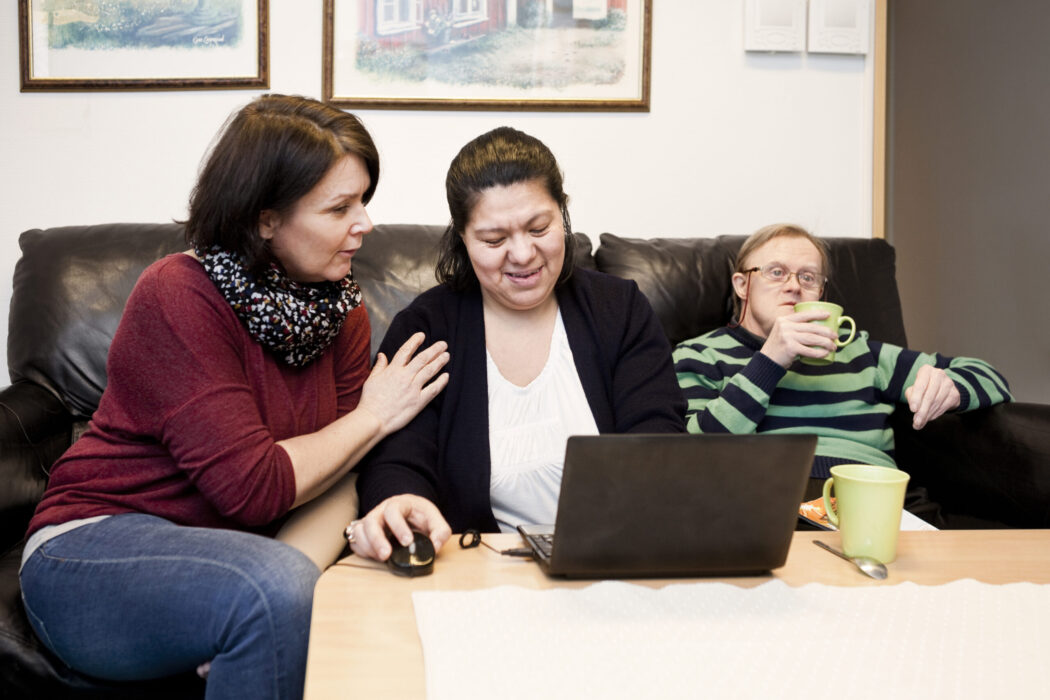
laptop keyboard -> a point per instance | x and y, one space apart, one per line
543 544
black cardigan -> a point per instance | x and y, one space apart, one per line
621 354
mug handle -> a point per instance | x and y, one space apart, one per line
852 331
833 517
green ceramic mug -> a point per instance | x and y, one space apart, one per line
834 321
868 505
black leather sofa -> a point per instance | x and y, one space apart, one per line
989 468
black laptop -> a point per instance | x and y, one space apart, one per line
674 505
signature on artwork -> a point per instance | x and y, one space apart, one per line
138 24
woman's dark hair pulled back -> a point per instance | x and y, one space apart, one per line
270 153
498 158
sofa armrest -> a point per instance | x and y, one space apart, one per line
992 464
35 429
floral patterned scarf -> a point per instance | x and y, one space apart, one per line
296 322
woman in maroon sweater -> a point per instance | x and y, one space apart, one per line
239 391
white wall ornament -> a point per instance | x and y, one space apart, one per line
839 26
775 25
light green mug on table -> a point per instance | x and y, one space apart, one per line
834 321
868 505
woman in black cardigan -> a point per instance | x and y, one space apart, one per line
540 350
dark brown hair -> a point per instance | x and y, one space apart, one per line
501 157
269 154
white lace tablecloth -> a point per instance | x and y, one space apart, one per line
620 640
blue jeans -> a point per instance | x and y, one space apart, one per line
134 596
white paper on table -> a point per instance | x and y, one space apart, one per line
621 640
910 521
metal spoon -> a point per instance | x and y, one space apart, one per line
871 567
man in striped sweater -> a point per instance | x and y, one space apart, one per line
746 377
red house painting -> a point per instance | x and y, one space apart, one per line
438 23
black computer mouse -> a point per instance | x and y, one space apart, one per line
417 559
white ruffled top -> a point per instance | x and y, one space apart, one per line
528 429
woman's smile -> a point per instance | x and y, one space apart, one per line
525 277
515 240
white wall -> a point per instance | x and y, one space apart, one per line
733 140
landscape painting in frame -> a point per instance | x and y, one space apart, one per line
487 54
143 44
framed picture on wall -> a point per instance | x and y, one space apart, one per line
566 55
68 45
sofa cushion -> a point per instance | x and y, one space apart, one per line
395 263
686 280
864 281
70 287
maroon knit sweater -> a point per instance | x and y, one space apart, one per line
187 426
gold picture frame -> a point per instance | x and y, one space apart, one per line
522 55
88 45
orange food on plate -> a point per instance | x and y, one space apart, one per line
814 510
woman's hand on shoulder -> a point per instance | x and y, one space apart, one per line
399 515
399 388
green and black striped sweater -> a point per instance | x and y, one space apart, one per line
733 388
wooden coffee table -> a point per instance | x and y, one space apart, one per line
363 639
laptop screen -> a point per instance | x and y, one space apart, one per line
678 504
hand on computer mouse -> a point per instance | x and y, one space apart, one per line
369 536
415 559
